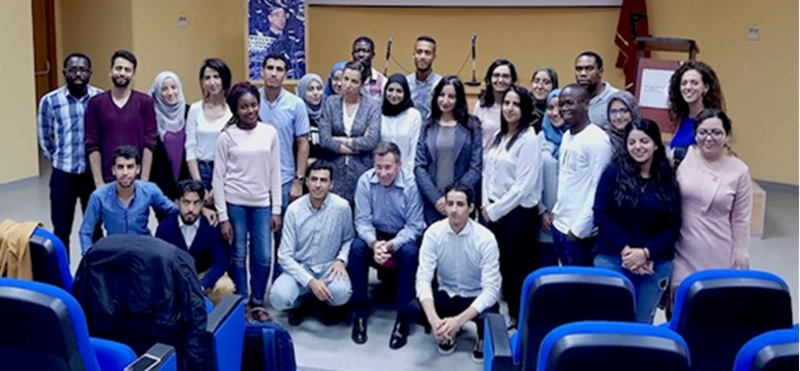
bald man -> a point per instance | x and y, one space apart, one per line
585 152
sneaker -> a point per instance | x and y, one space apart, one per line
477 352
447 347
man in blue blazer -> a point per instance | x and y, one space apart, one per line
188 231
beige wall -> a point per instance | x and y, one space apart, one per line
96 28
758 77
18 156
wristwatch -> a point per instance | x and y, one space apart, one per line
299 177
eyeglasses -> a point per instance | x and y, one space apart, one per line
78 69
618 111
501 76
715 134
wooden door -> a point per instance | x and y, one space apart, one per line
46 66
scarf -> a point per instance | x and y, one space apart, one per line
170 118
553 134
392 110
329 87
314 111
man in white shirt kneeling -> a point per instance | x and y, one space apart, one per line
465 257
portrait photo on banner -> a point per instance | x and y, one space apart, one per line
277 26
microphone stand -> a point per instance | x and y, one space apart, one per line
474 81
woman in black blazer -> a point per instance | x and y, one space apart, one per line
450 148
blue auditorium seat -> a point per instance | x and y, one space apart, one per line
772 351
552 297
718 311
613 346
49 260
44 328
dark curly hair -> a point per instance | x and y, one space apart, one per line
678 108
662 177
236 92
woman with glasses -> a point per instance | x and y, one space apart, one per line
716 201
622 110
500 76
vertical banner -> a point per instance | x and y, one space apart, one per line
277 26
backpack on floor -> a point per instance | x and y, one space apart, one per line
267 346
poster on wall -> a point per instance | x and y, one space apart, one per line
277 26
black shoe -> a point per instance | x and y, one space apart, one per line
447 347
399 336
477 352
296 316
359 335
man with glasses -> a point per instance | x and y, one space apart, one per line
61 132
585 152
589 74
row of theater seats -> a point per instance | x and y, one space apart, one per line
42 326
721 319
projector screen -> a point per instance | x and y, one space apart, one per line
471 3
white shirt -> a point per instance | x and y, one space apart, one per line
403 130
349 119
189 231
512 177
490 123
201 134
582 159
467 264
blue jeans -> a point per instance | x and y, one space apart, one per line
206 170
649 289
285 190
255 222
574 253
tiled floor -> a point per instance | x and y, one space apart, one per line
320 348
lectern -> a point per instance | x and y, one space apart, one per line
652 76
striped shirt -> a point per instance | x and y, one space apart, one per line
62 130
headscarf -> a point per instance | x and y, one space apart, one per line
169 118
540 106
392 110
553 134
329 87
314 111
616 135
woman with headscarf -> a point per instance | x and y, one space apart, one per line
553 130
400 122
622 110
169 164
543 81
334 85
309 89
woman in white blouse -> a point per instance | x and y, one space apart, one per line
512 189
206 119
400 122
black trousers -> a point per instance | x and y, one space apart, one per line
65 190
516 235
448 307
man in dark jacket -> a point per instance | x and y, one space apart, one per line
189 232
139 290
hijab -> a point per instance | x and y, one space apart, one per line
339 66
314 111
551 133
392 110
170 118
617 136
540 106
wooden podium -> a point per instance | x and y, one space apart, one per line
646 67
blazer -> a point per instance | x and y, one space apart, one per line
366 134
467 166
208 248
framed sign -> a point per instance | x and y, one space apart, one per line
276 26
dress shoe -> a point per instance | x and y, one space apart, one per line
399 336
359 335
296 316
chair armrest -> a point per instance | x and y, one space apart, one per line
159 357
497 354
225 334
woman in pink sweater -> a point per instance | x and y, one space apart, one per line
716 201
247 171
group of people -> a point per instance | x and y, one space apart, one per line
395 173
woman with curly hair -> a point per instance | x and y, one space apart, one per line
637 210
693 88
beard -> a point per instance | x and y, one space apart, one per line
121 82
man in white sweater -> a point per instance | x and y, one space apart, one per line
585 152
